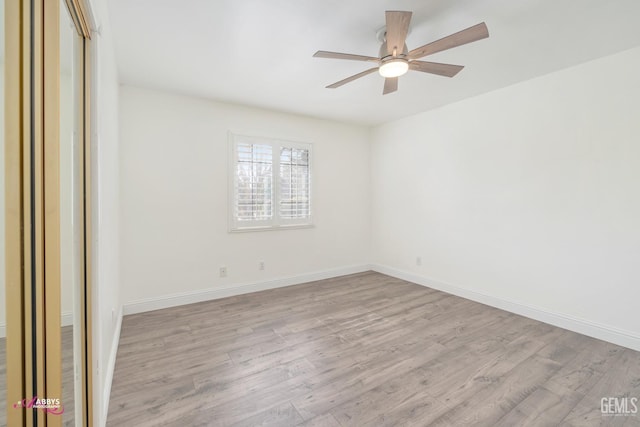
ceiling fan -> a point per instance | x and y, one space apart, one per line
395 59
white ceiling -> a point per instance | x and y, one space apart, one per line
259 53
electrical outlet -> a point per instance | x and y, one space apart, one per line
223 271
418 261
261 265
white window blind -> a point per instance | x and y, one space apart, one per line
254 182
270 183
294 183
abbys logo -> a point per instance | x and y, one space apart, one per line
619 406
50 406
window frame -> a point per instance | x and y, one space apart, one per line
276 222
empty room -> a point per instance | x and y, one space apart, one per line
320 213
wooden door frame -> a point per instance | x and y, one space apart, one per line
17 250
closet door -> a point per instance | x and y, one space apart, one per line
74 192
72 345
3 289
45 361
18 226
71 216
70 342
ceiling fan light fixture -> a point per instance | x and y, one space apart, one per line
394 67
392 61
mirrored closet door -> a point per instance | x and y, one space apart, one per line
45 322
74 200
3 317
71 215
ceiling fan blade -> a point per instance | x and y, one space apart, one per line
397 29
446 70
338 55
390 85
471 34
352 78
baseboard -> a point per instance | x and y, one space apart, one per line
581 326
110 366
173 300
65 320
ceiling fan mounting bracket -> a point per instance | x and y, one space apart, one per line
381 34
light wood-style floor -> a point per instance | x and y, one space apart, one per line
361 350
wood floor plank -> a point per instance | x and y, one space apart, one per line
489 403
324 396
388 395
420 410
145 406
588 416
324 420
586 369
540 408
282 415
360 350
471 377
620 379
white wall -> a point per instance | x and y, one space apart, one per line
173 183
529 194
105 216
3 322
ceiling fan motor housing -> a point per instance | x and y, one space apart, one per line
384 54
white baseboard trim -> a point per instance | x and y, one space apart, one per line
582 326
65 320
110 366
173 300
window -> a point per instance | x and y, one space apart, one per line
270 183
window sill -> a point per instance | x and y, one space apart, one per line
270 228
